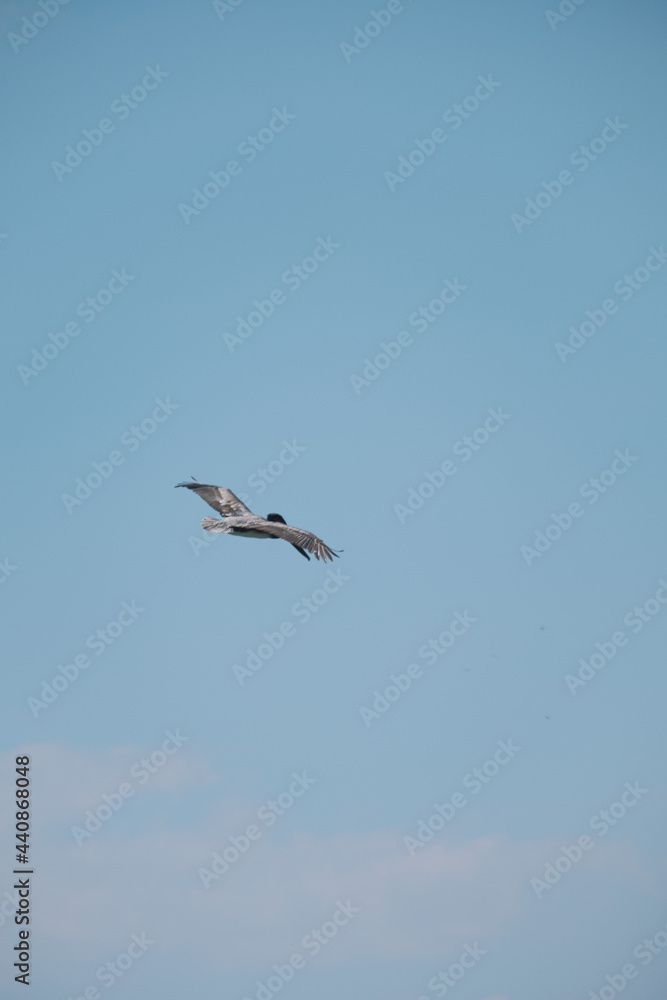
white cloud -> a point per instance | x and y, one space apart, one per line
279 890
65 782
145 879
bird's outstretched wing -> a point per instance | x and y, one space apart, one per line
299 538
219 498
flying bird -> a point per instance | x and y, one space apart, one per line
237 519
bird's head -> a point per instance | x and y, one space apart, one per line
276 517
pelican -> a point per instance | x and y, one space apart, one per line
237 519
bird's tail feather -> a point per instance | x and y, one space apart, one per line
213 524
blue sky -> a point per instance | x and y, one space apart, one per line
149 383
